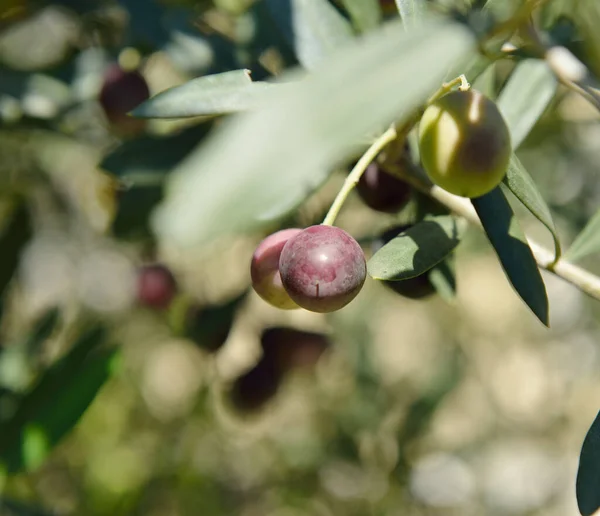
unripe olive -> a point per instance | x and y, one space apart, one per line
464 143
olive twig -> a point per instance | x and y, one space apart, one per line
358 170
570 272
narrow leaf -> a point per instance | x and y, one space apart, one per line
55 404
145 161
587 487
365 14
411 11
314 28
416 250
529 90
211 95
520 183
260 165
443 278
587 242
511 246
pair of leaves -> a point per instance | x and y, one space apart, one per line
416 250
522 101
56 403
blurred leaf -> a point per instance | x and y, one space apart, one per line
587 18
587 242
55 403
588 474
210 95
529 90
521 184
443 278
146 25
16 508
517 260
145 161
486 81
314 28
365 14
134 207
416 250
209 326
261 165
12 241
411 11
42 330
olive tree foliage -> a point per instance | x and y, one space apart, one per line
260 126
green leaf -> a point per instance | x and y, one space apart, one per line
587 242
210 95
587 487
411 11
134 209
56 403
365 14
511 246
416 250
443 278
261 165
529 90
520 183
145 161
314 28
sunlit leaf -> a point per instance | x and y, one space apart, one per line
411 11
526 95
588 475
522 186
587 242
210 95
314 28
518 262
260 165
416 250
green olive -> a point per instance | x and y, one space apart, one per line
464 143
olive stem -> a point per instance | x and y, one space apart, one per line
460 81
577 276
358 170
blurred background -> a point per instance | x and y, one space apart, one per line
139 380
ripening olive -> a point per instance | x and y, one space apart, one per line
464 143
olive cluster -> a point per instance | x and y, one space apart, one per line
465 148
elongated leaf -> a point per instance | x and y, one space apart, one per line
531 87
55 403
261 165
365 14
443 278
511 246
520 183
145 161
587 242
588 475
314 28
416 250
211 95
411 11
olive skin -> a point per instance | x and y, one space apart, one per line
322 268
464 143
264 269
